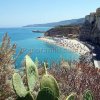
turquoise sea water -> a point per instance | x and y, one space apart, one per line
25 38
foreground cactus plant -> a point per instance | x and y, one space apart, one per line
87 95
31 72
27 97
20 89
48 81
31 75
72 96
19 86
36 62
49 89
46 94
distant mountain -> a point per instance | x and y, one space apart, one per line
65 22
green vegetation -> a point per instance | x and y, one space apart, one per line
72 96
88 95
66 31
46 94
37 82
19 85
31 72
48 83
7 66
49 89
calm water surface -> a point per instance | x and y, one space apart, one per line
25 38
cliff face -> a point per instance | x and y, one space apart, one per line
90 30
63 30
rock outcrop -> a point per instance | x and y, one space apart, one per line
63 31
90 30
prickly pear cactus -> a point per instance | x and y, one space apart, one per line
31 72
46 94
48 81
19 86
27 97
36 62
45 68
72 96
87 95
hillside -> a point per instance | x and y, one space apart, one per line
53 24
63 31
89 30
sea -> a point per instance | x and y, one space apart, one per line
24 38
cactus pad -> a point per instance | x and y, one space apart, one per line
72 96
31 71
18 85
36 62
50 82
87 95
27 97
46 94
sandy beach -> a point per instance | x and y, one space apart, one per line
71 44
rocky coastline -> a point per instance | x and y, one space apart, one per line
70 44
90 30
87 32
67 31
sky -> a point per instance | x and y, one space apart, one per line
16 13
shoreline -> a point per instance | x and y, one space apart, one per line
70 44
